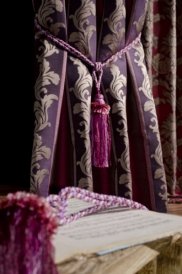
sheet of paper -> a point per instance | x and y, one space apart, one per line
110 231
75 205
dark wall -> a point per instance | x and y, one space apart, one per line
17 95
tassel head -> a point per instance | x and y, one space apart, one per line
100 132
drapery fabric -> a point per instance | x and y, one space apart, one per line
63 93
163 43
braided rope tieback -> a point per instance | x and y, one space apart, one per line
100 129
97 66
99 201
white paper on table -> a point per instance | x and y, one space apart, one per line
113 230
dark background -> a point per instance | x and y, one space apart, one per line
17 94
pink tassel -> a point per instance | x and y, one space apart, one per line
100 132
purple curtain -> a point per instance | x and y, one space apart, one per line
64 89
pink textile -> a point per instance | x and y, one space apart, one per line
26 227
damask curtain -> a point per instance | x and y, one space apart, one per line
163 42
64 89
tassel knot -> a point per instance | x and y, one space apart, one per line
99 105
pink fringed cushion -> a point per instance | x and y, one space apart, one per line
27 223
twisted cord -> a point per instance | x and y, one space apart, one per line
99 201
97 66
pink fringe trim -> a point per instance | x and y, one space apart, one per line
100 133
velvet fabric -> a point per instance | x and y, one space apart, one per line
63 93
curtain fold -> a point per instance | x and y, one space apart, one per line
163 48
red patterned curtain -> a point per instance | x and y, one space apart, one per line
163 41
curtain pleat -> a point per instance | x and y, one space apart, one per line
163 48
